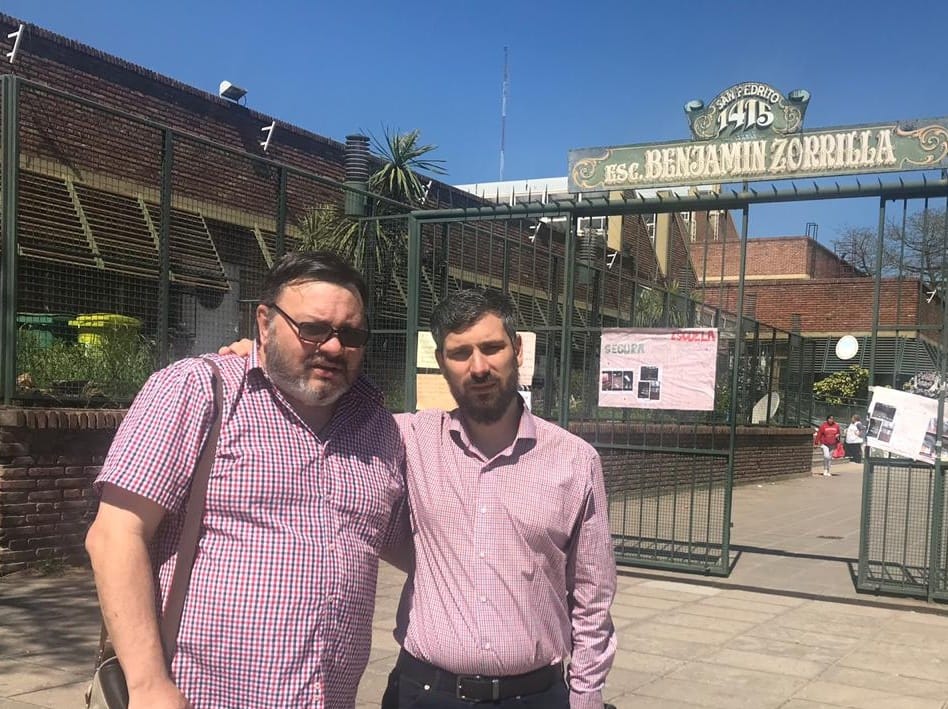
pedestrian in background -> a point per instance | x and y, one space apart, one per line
827 436
855 437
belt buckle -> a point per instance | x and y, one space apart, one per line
481 680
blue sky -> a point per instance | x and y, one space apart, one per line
581 73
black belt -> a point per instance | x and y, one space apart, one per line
478 688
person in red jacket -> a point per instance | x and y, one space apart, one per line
827 436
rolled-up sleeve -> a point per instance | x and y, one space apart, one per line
591 582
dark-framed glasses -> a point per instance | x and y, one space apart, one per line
319 333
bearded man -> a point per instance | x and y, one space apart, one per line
514 571
306 490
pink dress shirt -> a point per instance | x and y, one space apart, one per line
514 565
279 609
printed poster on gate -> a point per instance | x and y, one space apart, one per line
658 368
904 424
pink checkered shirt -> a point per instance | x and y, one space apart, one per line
514 563
279 609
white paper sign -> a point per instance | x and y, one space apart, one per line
658 368
904 424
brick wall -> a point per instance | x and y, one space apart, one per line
48 460
787 256
761 455
841 305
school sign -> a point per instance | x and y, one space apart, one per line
753 132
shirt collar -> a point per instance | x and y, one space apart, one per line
526 429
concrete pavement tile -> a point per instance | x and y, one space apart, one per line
749 681
622 681
930 619
804 636
786 650
78 660
862 698
15 704
644 662
371 688
935 644
726 612
775 599
763 662
807 704
851 609
645 590
686 619
620 610
729 600
897 659
66 695
819 622
647 602
18 677
681 587
707 695
384 640
627 701
658 629
671 648
888 682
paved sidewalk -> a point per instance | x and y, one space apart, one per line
787 629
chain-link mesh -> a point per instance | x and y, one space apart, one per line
87 251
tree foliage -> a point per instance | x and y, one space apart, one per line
917 251
849 386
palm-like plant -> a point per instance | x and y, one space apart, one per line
403 158
377 247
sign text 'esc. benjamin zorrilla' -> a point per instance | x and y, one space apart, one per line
753 132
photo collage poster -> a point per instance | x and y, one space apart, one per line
904 424
658 368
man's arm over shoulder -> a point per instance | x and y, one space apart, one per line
591 582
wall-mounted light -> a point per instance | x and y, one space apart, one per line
16 37
268 130
231 92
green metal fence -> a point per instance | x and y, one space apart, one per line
127 245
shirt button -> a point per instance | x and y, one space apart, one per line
487 646
484 510
483 599
482 555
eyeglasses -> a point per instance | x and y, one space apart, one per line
319 333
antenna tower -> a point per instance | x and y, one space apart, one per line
503 115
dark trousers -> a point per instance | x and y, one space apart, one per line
854 451
405 693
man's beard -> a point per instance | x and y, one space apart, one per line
486 408
299 385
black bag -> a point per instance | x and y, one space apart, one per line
108 689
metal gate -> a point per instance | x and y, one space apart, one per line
669 474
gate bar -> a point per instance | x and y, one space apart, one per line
604 206
9 181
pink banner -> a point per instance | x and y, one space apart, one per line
658 368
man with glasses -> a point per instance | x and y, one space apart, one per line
306 490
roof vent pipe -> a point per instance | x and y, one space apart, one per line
357 173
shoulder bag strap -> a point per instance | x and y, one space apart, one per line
191 533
